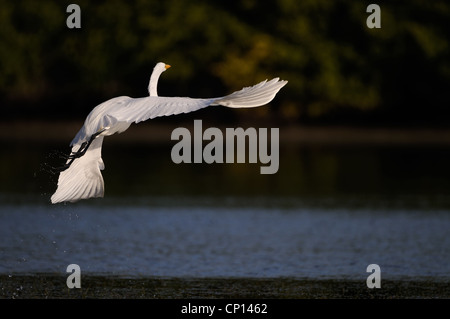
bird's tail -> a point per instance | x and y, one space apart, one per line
83 178
252 96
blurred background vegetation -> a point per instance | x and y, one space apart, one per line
339 70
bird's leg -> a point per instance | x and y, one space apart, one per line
85 145
81 151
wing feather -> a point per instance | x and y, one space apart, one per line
252 96
83 178
141 109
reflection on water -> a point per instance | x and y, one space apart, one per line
326 213
305 173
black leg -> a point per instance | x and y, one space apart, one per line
81 151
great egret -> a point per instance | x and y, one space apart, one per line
80 177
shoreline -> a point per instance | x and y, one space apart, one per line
63 132
53 286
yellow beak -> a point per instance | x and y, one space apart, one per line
167 66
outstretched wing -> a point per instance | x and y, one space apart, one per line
145 108
83 178
141 109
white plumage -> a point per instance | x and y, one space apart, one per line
82 179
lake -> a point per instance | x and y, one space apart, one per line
329 212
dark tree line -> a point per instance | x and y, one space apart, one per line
338 69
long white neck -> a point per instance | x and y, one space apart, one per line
152 85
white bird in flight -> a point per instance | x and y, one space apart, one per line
80 177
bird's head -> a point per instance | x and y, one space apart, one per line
161 67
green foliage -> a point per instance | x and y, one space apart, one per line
331 59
